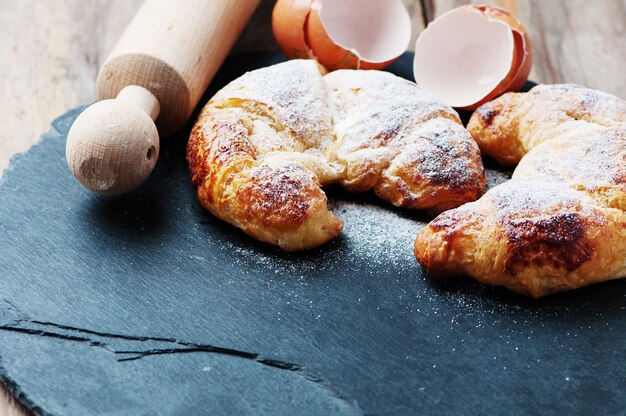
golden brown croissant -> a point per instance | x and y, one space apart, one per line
560 222
508 127
266 144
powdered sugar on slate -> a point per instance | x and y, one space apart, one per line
373 235
376 234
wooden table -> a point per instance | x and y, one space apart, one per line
51 51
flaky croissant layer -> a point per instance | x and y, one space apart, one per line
560 222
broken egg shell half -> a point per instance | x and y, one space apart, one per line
344 34
288 21
472 54
523 59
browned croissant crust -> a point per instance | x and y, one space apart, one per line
266 144
560 222
508 127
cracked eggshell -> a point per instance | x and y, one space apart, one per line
523 59
472 54
344 34
288 21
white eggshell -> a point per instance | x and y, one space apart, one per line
462 56
374 30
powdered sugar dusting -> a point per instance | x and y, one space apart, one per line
595 159
583 103
294 91
377 234
373 235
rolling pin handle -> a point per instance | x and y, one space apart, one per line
174 47
113 145
142 98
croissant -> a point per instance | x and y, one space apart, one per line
560 222
266 144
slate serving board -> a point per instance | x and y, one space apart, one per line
146 304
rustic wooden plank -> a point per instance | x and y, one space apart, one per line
574 40
417 20
48 61
9 406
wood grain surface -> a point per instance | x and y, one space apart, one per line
51 52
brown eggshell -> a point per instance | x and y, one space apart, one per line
523 59
362 34
288 24
327 53
524 49
514 61
331 55
343 34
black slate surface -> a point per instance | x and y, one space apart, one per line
145 304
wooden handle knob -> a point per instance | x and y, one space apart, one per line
160 67
113 145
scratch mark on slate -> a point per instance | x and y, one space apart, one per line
73 334
104 334
136 355
51 335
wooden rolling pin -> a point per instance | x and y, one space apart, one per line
157 72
